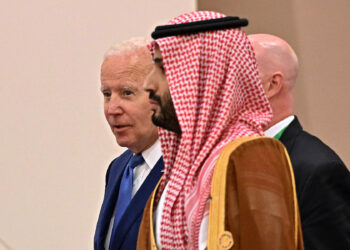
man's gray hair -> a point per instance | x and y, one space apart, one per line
127 46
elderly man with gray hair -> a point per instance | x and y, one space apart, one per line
132 176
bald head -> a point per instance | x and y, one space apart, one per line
278 69
274 54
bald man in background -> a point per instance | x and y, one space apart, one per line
322 179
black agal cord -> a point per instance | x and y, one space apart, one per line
198 26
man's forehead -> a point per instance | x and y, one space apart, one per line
124 69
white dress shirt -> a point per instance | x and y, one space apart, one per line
151 157
275 129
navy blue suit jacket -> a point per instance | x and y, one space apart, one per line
129 224
323 190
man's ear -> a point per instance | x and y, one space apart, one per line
274 86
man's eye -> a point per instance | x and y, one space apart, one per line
127 92
106 94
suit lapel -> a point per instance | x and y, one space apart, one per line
137 204
113 182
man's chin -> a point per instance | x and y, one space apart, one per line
122 142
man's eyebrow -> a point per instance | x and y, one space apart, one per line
158 60
126 87
123 87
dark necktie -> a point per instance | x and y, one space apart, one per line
125 190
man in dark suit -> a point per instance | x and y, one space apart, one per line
132 176
322 179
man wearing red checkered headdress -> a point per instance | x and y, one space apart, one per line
223 183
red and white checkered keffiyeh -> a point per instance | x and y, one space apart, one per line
217 94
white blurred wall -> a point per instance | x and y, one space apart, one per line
55 145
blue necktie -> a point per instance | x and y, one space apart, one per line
125 190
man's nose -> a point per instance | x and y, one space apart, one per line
148 84
114 106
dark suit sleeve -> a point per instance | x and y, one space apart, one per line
325 207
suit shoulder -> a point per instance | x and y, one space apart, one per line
309 148
116 161
317 167
311 158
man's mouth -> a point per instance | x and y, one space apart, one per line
119 128
153 102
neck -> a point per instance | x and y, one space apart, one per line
282 107
277 118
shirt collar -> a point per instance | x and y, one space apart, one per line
271 132
152 154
